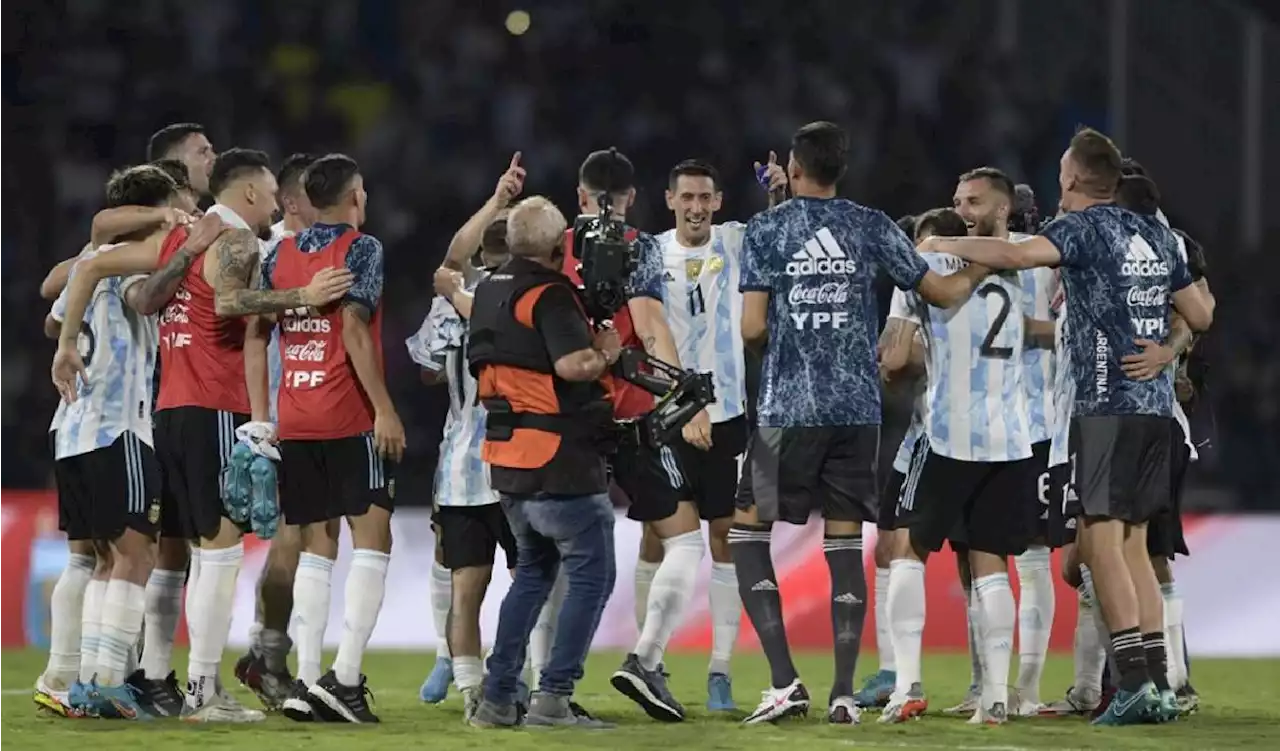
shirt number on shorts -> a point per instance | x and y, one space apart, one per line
988 349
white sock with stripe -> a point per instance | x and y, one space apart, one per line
66 622
312 591
366 585
123 606
91 628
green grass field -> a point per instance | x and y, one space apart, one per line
1241 709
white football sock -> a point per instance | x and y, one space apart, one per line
95 594
441 602
884 635
645 571
996 616
211 623
468 672
366 585
311 592
906 609
66 619
975 641
164 606
255 631
1035 619
726 614
189 599
543 636
1173 606
123 607
670 592
1091 642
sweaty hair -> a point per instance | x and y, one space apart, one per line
822 150
1024 215
607 171
144 185
908 225
176 170
535 228
694 168
1098 161
233 164
944 222
1139 194
998 179
290 175
328 178
168 138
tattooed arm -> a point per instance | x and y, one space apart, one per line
236 280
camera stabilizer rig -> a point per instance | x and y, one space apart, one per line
606 261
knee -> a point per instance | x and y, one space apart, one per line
173 554
884 548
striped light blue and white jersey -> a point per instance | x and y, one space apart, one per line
119 347
704 311
1179 414
1064 396
1038 288
462 477
977 405
275 368
900 307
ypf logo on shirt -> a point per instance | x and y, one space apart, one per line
821 254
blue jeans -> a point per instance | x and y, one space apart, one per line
576 533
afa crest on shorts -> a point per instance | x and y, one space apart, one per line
153 511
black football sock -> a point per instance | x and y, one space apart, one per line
1157 659
848 606
758 587
1131 658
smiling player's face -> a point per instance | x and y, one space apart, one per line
694 199
982 207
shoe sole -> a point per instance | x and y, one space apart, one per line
636 690
795 711
914 709
335 705
50 704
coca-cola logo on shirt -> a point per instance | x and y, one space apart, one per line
827 293
1151 296
310 351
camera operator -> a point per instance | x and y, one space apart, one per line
540 372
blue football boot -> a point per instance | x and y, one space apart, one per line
237 484
876 690
120 702
436 687
720 693
264 509
1131 707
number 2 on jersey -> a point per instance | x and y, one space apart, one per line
697 305
987 349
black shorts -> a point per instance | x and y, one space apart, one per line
1063 498
711 476
983 506
323 480
792 472
892 496
1056 528
651 477
470 535
194 445
1164 531
1123 466
106 491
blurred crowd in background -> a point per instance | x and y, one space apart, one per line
432 97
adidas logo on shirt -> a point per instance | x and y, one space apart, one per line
820 255
1141 260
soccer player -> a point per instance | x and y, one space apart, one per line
109 485
263 669
702 264
972 478
649 475
808 275
469 519
1165 539
187 143
988 201
1120 270
340 437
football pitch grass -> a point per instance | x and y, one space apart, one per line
1240 709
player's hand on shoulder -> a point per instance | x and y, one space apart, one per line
204 231
327 285
771 175
511 184
447 282
176 217
388 435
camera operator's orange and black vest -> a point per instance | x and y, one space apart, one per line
543 433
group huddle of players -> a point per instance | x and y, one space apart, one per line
1046 417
